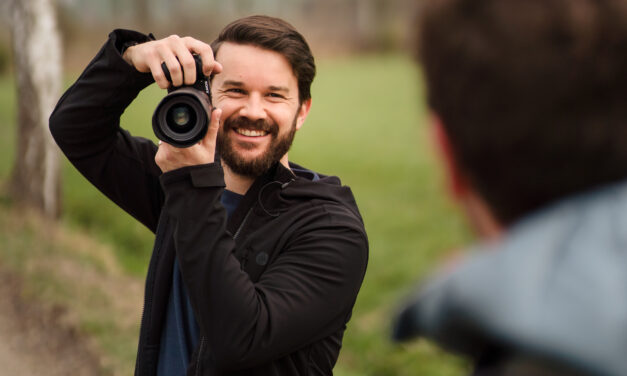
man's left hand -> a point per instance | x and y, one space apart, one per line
170 158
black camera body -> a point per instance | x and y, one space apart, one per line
181 119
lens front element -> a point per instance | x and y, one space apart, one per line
181 119
180 115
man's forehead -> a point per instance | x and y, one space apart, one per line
248 54
243 63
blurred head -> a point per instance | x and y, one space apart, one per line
530 95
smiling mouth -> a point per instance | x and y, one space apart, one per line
250 132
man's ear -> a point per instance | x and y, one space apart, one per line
457 183
303 111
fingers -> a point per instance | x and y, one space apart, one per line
187 62
154 66
176 57
147 57
176 53
209 65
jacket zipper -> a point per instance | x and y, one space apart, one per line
239 229
202 338
202 345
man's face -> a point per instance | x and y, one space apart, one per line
258 94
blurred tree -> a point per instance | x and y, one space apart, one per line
37 58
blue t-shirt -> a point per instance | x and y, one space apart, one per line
180 331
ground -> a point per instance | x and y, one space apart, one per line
34 340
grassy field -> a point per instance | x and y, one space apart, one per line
367 125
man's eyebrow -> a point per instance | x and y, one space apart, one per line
233 83
279 88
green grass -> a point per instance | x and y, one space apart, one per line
368 126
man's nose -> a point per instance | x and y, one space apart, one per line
253 109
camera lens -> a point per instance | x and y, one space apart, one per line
181 118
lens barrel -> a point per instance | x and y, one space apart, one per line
182 117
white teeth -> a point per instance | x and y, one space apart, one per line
250 132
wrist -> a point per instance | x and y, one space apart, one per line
125 51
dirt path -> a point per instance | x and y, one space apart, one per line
34 341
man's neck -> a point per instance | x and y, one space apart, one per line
235 182
480 216
240 183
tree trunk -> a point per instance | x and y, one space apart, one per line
37 55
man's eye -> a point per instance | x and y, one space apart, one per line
276 95
235 91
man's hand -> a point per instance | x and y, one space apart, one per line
170 158
147 57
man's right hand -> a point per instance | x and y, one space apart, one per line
176 52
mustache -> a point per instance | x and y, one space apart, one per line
245 123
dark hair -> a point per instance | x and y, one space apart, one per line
276 35
532 94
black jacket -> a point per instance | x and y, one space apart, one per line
272 288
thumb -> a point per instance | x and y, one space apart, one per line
214 126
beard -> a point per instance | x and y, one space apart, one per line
255 167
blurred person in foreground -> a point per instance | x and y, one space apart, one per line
257 261
529 102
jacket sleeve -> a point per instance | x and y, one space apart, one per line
86 126
306 294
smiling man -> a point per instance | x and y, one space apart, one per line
257 261
256 85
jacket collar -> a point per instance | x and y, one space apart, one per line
278 174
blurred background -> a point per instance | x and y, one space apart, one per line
84 263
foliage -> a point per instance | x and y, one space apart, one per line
367 125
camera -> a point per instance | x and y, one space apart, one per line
181 119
